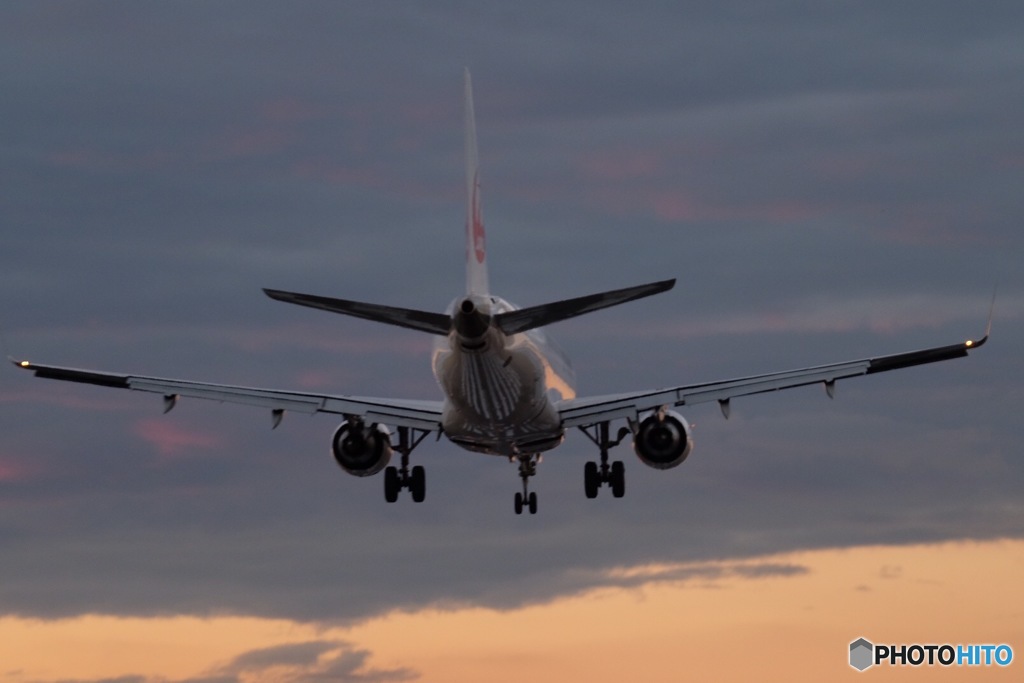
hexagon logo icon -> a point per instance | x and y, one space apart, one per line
861 654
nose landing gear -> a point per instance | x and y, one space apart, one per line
527 468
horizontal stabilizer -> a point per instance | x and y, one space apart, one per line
424 321
525 319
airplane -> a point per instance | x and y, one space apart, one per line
508 389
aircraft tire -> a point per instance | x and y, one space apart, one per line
418 484
618 479
391 484
591 481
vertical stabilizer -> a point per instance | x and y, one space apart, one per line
476 242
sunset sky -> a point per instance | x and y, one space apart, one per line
827 181
785 616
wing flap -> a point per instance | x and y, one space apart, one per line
260 398
587 411
424 415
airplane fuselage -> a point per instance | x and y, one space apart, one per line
500 390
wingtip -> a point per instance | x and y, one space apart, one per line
991 311
662 286
975 343
273 293
972 344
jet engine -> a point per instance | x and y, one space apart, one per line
663 439
362 450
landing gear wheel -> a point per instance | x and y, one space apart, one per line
527 468
597 475
591 479
618 479
418 484
392 484
398 478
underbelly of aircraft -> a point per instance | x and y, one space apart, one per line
505 439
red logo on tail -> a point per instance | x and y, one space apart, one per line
479 247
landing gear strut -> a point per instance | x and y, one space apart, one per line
527 468
405 477
614 474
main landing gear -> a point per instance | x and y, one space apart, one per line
404 477
527 468
595 475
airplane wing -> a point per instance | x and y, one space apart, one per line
425 415
582 412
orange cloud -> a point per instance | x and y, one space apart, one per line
785 617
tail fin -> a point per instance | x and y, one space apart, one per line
476 242
511 322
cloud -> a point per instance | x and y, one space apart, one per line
307 662
294 654
827 183
814 596
889 571
708 572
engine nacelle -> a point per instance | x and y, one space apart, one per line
663 440
362 450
